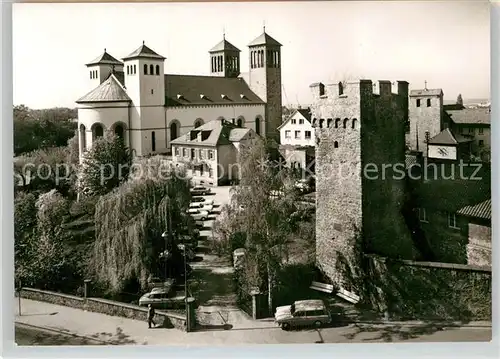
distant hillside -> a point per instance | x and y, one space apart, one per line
471 101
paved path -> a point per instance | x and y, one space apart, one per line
117 330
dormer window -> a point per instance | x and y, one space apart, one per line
224 97
203 97
180 97
242 96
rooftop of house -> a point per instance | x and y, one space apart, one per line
305 113
426 92
446 137
213 133
481 210
110 90
470 116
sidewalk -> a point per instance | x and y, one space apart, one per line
118 330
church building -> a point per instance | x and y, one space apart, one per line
137 100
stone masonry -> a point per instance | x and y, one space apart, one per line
360 149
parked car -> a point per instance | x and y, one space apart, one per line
202 199
200 215
303 313
200 191
162 298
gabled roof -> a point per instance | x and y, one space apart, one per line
143 52
264 39
216 132
306 113
481 210
109 91
105 59
186 90
477 116
224 45
426 92
446 137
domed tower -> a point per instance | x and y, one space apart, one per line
265 80
225 59
145 83
101 67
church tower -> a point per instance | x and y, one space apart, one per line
145 84
101 67
265 80
225 59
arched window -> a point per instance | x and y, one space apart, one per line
158 70
135 69
240 122
428 102
98 131
198 123
337 122
336 144
354 123
119 131
83 139
145 69
151 69
341 88
321 122
329 122
153 141
91 75
314 123
345 122
257 125
173 131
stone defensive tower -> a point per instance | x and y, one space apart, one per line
360 170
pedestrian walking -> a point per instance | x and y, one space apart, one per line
151 315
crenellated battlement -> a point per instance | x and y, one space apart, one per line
344 89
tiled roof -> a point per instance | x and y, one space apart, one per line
237 134
478 116
216 132
143 52
264 39
306 113
426 92
445 137
185 90
104 59
109 91
481 210
224 45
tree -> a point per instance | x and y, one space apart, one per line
129 224
460 101
105 165
265 201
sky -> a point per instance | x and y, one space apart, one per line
445 43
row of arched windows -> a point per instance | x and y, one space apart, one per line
334 123
272 59
230 63
97 131
93 74
131 69
153 70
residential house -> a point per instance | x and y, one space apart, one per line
210 153
297 139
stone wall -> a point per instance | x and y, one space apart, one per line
479 245
428 290
424 119
105 306
359 146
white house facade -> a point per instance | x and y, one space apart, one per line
297 130
148 108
